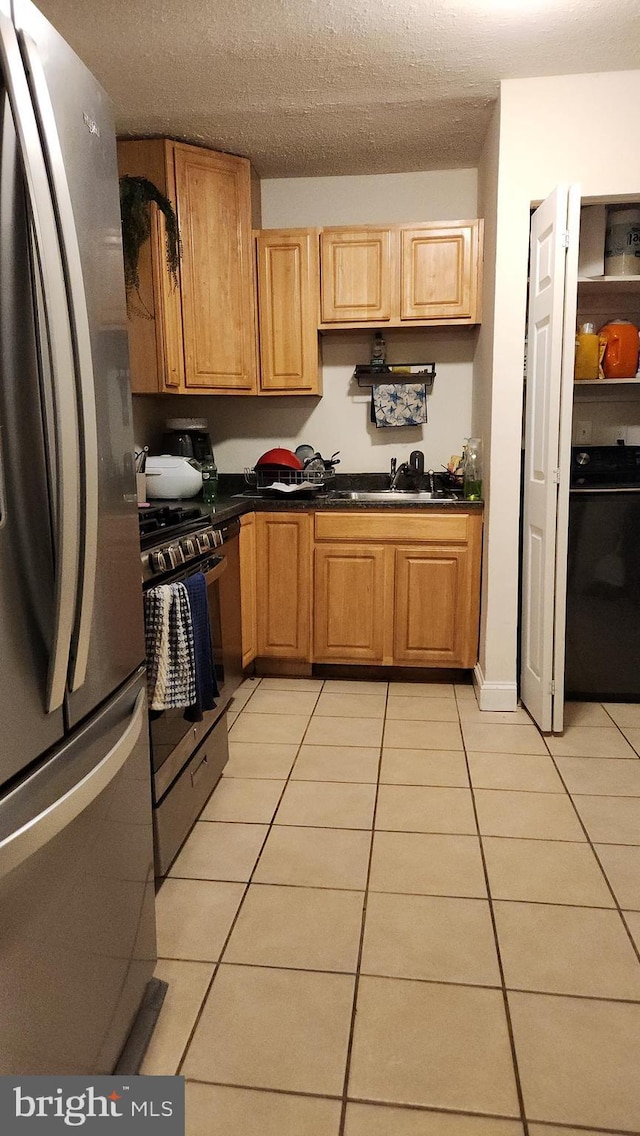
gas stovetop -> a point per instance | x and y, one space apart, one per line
163 521
605 467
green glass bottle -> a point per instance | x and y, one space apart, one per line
472 470
209 480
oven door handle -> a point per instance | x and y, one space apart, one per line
215 573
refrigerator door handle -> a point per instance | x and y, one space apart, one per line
38 831
60 347
79 314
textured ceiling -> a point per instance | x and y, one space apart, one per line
335 86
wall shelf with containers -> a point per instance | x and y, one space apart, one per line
608 288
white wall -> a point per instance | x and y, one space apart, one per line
243 428
576 128
428 196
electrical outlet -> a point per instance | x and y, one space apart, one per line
583 433
620 434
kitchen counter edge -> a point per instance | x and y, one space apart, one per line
228 507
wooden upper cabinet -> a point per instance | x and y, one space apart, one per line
200 336
425 274
358 268
213 193
288 275
439 272
156 349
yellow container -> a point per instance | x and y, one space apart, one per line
587 352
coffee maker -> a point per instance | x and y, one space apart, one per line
188 438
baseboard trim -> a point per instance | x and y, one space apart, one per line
494 695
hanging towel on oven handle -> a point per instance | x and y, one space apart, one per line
206 685
171 673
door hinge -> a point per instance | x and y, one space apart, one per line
564 238
555 476
552 687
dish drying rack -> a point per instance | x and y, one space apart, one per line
264 478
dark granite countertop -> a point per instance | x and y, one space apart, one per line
232 501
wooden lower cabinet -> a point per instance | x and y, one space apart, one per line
349 604
248 581
283 554
435 620
379 598
377 588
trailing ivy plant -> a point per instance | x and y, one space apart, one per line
137 194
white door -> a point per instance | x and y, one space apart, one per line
550 356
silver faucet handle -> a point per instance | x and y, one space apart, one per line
394 462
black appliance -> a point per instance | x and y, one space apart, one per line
603 579
188 438
187 758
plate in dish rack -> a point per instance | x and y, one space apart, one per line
300 487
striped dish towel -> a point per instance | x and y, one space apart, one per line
171 672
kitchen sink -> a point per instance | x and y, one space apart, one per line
391 495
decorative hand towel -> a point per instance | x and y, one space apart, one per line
399 404
171 673
206 685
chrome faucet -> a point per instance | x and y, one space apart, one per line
396 471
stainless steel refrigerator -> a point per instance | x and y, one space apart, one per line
77 930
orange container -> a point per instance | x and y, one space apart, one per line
621 353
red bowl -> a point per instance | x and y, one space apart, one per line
280 458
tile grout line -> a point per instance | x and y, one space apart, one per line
356 986
436 895
410 978
505 999
217 964
431 1110
591 845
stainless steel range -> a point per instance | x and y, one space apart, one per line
188 757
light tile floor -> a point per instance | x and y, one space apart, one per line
398 916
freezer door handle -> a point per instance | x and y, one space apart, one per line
60 347
27 840
79 314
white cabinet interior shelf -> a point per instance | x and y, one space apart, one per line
607 382
597 284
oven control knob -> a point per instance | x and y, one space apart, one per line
217 537
157 562
188 548
583 458
175 555
203 542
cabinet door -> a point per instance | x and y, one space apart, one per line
288 311
154 325
248 582
214 213
284 585
439 272
357 271
349 601
436 607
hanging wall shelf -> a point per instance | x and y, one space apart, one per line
368 376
